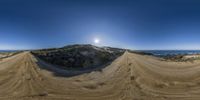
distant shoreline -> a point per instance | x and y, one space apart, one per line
171 52
9 50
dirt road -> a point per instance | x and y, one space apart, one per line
130 77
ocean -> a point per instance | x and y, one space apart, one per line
8 50
171 52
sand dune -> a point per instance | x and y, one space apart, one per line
130 77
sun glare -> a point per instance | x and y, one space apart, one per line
96 40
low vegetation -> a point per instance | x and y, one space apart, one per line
79 56
182 58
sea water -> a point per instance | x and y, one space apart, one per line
171 52
8 50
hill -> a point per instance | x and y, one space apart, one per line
79 56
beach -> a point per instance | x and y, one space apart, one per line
129 77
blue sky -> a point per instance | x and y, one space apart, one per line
135 24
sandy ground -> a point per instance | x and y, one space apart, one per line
130 77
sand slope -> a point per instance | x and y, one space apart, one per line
130 77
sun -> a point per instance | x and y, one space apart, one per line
96 41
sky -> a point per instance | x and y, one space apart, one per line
133 24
